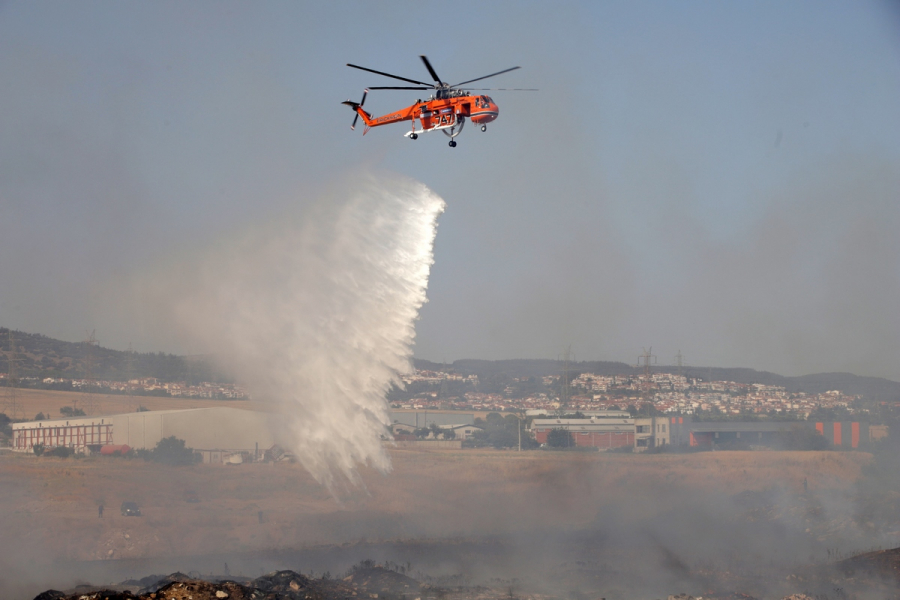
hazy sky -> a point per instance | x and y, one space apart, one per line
719 178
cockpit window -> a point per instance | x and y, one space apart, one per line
486 100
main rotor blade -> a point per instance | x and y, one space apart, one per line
387 75
502 90
486 76
430 69
401 88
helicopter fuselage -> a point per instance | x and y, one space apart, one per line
438 113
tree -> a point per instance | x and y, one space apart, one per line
68 411
172 451
435 430
449 434
560 438
40 417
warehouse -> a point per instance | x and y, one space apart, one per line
204 429
604 434
767 433
424 419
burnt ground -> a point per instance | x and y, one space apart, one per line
463 525
873 575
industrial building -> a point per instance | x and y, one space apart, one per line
424 419
840 435
650 432
604 433
615 430
214 432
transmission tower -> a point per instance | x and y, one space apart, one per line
88 395
11 404
679 362
129 375
567 355
645 360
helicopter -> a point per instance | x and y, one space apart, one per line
446 110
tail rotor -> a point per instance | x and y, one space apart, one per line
356 105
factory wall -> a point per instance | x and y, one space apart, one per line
201 428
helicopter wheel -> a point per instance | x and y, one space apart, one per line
414 136
453 143
484 127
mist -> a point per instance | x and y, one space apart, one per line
315 312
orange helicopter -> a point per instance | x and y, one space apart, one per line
446 110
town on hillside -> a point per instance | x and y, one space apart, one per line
664 392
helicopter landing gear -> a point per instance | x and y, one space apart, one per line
453 143
414 136
484 127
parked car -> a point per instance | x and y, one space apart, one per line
130 509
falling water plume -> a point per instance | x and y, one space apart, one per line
318 314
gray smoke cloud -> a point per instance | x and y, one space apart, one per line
810 286
315 313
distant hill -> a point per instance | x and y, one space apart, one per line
42 356
875 389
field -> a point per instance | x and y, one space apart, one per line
690 504
32 402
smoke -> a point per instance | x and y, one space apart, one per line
317 313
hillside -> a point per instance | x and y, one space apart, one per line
42 356
874 389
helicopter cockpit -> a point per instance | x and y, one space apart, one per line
482 102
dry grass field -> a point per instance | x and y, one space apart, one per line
32 402
50 504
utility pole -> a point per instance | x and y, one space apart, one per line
88 398
565 387
11 405
521 421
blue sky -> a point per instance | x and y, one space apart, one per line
716 178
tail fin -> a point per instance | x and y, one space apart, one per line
357 108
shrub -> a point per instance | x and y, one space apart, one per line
38 449
172 451
68 411
60 451
560 438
